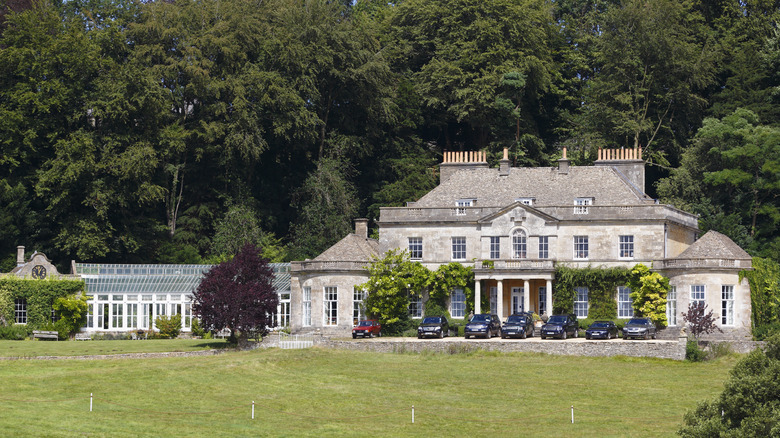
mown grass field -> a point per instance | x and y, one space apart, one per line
81 348
319 392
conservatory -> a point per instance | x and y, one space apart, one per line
127 297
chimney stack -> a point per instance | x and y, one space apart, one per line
628 161
19 255
361 228
463 160
563 163
504 164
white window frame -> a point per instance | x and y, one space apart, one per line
626 247
306 313
459 248
330 306
519 244
727 305
458 303
132 315
581 205
544 247
415 306
542 300
581 248
526 201
20 311
625 303
495 247
518 299
461 205
671 306
581 294
283 310
698 293
415 248
358 296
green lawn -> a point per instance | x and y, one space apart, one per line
320 392
81 348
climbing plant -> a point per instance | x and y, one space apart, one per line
764 281
444 280
602 286
648 294
40 296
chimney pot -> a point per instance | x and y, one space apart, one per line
19 255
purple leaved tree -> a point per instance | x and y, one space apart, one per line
699 321
238 295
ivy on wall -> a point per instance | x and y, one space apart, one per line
602 286
39 294
764 281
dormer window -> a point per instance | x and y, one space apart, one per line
526 201
460 205
581 205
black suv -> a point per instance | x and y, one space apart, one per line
518 325
433 326
561 326
483 324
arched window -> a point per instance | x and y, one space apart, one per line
519 245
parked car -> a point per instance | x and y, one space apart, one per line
483 324
518 325
433 326
368 327
602 330
561 326
639 328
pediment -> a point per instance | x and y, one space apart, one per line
517 212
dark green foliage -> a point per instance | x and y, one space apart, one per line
39 294
693 352
764 281
197 330
15 332
602 286
749 404
169 326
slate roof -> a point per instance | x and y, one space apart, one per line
545 184
351 248
714 245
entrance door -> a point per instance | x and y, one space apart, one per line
517 300
542 300
493 299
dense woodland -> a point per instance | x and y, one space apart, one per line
172 132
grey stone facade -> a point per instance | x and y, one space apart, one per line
523 222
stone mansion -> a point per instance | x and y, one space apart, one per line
525 221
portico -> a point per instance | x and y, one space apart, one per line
514 286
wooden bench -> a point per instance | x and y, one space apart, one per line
42 334
83 337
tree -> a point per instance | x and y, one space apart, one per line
240 226
648 294
238 295
700 321
457 52
731 176
393 279
748 405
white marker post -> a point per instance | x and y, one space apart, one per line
412 414
90 402
572 414
253 409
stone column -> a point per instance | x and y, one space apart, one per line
526 296
477 297
500 299
548 297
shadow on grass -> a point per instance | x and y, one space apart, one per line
214 345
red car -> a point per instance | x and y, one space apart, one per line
368 328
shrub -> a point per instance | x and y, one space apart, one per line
15 332
765 331
693 352
720 349
698 321
169 326
197 330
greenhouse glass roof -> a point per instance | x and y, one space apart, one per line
177 279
